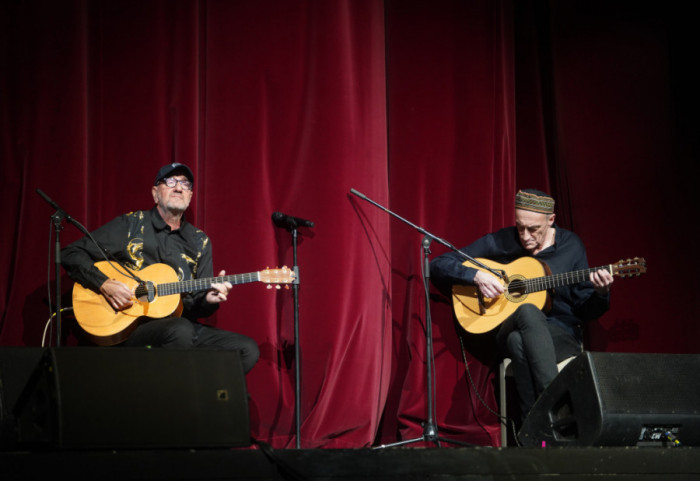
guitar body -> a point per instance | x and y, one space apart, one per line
476 320
157 296
107 326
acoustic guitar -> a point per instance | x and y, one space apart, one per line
155 297
527 280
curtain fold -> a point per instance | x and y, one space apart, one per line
451 139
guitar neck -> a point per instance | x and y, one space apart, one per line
194 285
557 280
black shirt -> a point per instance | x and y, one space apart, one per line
571 305
139 239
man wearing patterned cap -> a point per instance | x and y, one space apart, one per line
535 341
160 235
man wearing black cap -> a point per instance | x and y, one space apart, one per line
534 341
160 235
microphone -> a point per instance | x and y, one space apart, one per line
48 199
288 221
56 206
361 196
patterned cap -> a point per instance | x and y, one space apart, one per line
535 201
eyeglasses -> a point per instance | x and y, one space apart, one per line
172 182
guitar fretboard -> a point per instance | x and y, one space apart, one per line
557 280
194 285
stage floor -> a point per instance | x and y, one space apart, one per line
398 463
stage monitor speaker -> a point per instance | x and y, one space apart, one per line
16 367
117 397
618 399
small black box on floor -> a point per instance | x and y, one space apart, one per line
619 399
118 397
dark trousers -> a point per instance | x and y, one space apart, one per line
178 332
534 346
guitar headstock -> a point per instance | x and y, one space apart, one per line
634 267
283 275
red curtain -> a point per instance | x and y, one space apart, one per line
452 159
436 110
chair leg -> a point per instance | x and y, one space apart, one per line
502 405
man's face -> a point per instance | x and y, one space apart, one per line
174 199
533 229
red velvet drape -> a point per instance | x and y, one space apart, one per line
436 110
452 145
277 106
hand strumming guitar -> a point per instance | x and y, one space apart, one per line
489 285
117 294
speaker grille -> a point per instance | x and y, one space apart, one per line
619 399
127 397
643 383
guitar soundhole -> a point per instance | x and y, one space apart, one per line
516 291
145 292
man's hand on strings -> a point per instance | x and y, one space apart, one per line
489 285
117 294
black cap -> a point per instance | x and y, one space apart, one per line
166 170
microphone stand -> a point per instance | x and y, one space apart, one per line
430 432
292 228
57 219
297 348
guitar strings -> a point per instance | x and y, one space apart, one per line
546 282
623 269
201 284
